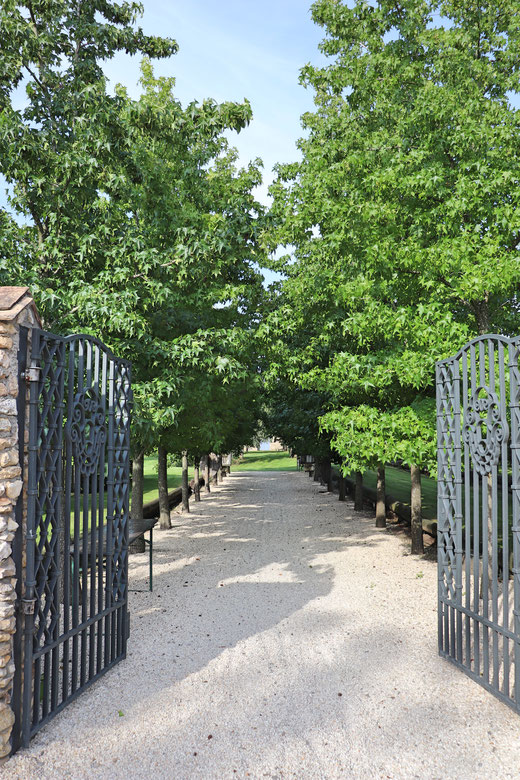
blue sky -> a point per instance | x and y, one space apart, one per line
233 50
230 50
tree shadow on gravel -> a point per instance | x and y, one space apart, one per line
242 572
223 575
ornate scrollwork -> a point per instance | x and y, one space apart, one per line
87 430
485 449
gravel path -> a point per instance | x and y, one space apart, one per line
285 638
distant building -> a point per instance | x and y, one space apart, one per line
268 445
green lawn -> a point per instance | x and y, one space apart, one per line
398 486
151 491
264 461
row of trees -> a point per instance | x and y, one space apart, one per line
403 224
130 220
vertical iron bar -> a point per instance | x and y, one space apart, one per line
68 488
515 497
492 484
16 698
58 549
76 652
453 511
441 520
110 514
125 403
102 382
467 517
485 538
30 581
476 534
84 539
458 506
92 382
505 519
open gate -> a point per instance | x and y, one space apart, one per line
75 559
478 430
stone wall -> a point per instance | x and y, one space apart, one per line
16 309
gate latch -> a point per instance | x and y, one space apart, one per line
31 374
28 606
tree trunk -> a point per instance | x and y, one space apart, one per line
317 470
481 309
323 472
185 487
162 482
416 511
342 487
327 474
358 492
219 468
380 497
207 474
136 512
196 479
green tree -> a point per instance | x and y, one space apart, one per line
131 220
403 212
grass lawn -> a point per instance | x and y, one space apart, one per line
398 486
264 461
151 490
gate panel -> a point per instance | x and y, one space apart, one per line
76 578
478 425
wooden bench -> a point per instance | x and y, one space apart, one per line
147 525
135 532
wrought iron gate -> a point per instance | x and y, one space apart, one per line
478 430
75 562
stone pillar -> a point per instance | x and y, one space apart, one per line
16 309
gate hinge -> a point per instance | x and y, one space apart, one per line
31 374
28 606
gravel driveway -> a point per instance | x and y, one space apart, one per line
285 638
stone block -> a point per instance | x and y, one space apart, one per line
7 328
14 489
4 753
6 342
6 716
7 672
7 568
9 458
8 405
6 609
12 385
7 624
5 551
10 472
5 424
